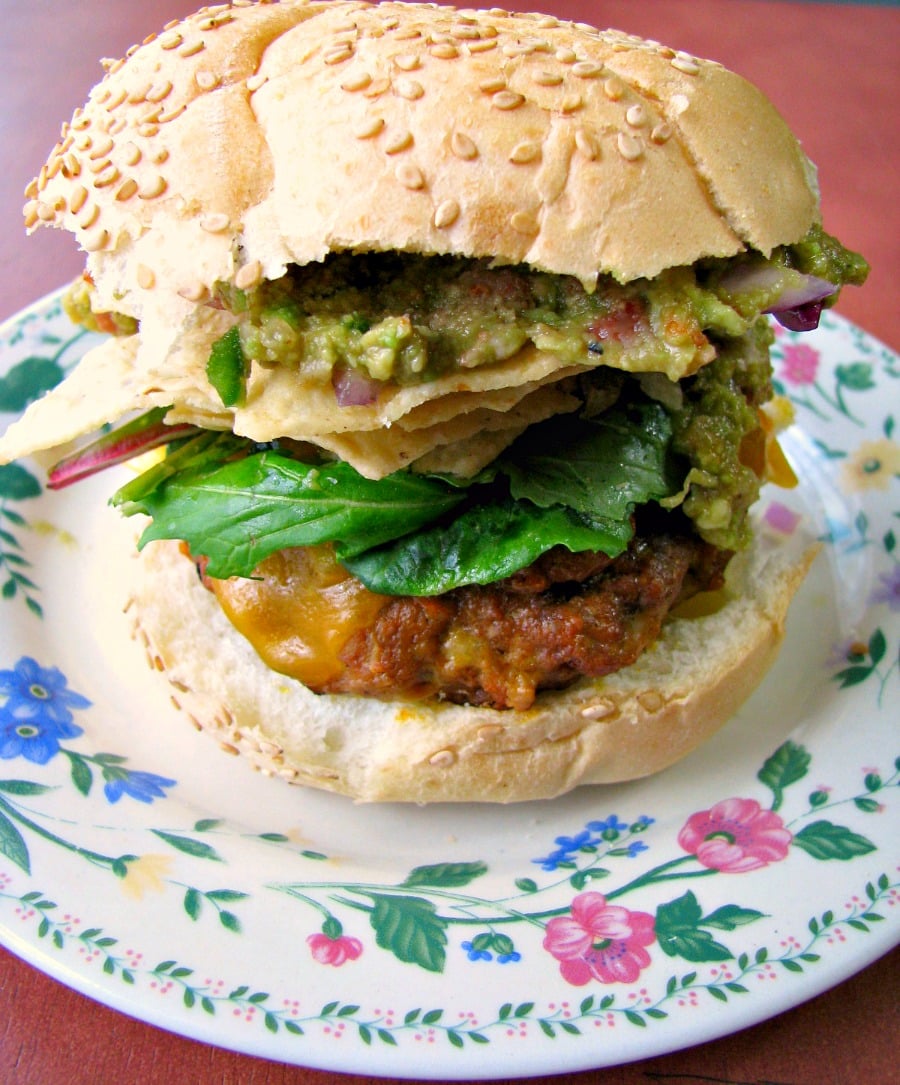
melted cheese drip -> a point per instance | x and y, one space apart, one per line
299 611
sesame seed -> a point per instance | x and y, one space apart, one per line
410 176
148 130
256 81
164 118
651 701
398 141
192 49
249 276
107 177
356 81
613 88
116 100
127 190
524 223
492 85
679 103
661 133
84 142
571 103
629 147
565 55
45 212
89 216
77 199
547 79
160 91
215 223
446 214
407 62
101 147
587 69
462 146
507 100
636 116
409 89
338 55
442 759
368 127
205 81
156 186
95 241
131 153
145 277
600 710
685 64
482 46
526 151
377 87
213 22
444 50
192 291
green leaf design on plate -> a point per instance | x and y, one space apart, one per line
27 381
446 875
824 840
195 848
410 928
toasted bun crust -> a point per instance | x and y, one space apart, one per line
246 138
628 725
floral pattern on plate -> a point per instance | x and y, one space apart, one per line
757 873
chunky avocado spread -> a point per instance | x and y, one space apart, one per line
405 318
691 345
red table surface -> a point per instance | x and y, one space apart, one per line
834 72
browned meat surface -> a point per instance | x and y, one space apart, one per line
567 615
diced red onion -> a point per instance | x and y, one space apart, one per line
802 318
799 300
353 388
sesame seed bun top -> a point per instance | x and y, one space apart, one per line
256 135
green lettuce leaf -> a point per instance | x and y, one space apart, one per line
486 542
238 513
601 467
567 482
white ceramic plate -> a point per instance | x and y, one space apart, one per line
144 867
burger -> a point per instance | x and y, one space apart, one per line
449 333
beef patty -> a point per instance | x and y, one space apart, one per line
564 616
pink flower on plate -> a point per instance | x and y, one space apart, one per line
334 950
600 941
800 364
736 835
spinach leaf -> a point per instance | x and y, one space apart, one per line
227 368
237 513
486 542
568 482
602 467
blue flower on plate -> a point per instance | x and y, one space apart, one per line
27 733
41 692
143 786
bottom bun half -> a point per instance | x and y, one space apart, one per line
627 725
